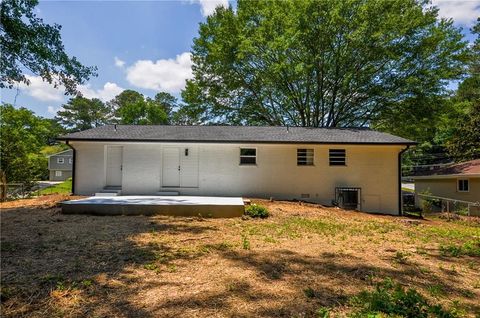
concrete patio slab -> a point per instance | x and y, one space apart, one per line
216 207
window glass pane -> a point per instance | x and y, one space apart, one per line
248 152
463 185
248 160
59 160
248 156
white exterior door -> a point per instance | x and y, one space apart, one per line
171 167
114 165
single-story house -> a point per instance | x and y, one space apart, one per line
357 168
459 181
60 165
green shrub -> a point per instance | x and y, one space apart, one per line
256 211
392 299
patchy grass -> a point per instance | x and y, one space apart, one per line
393 300
61 188
471 248
304 260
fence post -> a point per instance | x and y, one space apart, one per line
3 186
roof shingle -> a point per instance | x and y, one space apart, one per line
466 168
236 134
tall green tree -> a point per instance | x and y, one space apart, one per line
22 137
464 125
166 101
128 106
322 63
27 43
132 107
81 113
465 141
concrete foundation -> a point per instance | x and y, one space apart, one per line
216 207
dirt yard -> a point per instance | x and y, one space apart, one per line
302 258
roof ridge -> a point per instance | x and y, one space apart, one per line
254 126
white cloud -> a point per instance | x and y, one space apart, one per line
163 75
42 90
53 110
462 11
45 91
209 6
108 92
119 62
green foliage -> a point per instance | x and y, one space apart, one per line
470 248
322 63
256 211
428 203
323 312
245 242
23 135
27 43
391 299
150 266
465 141
53 149
133 108
463 132
436 290
81 113
310 292
401 257
61 188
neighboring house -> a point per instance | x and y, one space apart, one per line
357 167
60 165
460 181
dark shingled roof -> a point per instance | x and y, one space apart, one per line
236 134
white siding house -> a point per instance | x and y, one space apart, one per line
241 164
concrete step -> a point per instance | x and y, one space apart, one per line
167 193
107 194
113 188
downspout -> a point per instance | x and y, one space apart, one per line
73 166
400 197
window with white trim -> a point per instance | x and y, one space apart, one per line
61 160
248 156
463 185
58 173
70 160
304 157
337 157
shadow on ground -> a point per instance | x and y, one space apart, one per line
137 266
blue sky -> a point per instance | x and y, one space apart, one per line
141 45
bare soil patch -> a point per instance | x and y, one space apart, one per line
303 257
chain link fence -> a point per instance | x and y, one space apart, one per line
431 203
18 190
